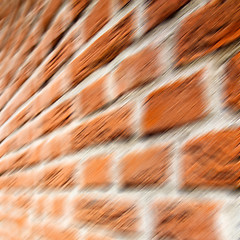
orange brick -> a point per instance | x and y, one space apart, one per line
58 205
212 160
123 2
232 91
23 202
159 10
20 160
9 181
35 151
53 232
49 13
25 180
136 70
57 116
4 166
185 220
18 99
78 6
118 215
114 125
97 237
54 91
58 176
55 147
146 167
60 55
40 205
96 172
103 50
174 105
213 26
24 136
10 144
99 16
93 97
21 118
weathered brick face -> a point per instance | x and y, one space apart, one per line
184 220
114 125
213 26
148 167
232 87
174 105
213 160
159 10
119 119
137 70
121 216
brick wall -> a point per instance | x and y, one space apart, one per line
119 119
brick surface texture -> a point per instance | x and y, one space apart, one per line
119 119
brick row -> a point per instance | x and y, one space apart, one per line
183 218
208 161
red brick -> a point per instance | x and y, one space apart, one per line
103 50
174 105
59 26
118 215
21 118
29 44
78 6
96 172
58 116
24 29
212 160
96 20
52 92
213 26
62 52
159 10
59 56
93 97
123 2
19 98
113 125
146 167
20 160
232 92
185 220
49 13
136 70
20 78
58 176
